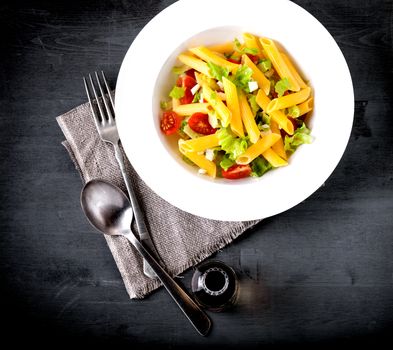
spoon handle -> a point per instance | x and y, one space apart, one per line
192 311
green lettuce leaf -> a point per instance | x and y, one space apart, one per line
242 77
226 162
281 86
177 92
253 104
294 111
260 166
265 65
233 146
301 136
218 72
245 50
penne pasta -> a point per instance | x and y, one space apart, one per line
248 118
191 108
195 63
201 162
263 82
251 42
293 70
306 106
222 48
199 144
175 102
205 54
288 100
278 62
257 148
222 110
279 117
233 105
273 158
278 147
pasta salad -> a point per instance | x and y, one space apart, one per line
238 109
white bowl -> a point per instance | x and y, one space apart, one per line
145 79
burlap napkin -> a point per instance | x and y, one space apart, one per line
181 239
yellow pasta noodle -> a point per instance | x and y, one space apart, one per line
205 54
248 118
278 63
263 82
222 111
278 147
251 42
273 158
189 109
293 70
222 48
175 102
278 116
195 63
306 106
233 105
199 144
288 100
257 148
202 162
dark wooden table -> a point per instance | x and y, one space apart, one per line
320 273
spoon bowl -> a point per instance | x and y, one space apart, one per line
106 207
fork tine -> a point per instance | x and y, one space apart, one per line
108 91
99 103
108 110
89 97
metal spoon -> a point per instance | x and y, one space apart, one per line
109 210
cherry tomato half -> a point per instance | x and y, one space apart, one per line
253 58
234 61
170 122
199 122
187 82
237 172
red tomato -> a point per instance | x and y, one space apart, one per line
187 98
191 73
199 122
253 58
187 82
170 122
233 60
237 171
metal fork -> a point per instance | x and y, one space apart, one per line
106 127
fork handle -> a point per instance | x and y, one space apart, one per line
144 234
